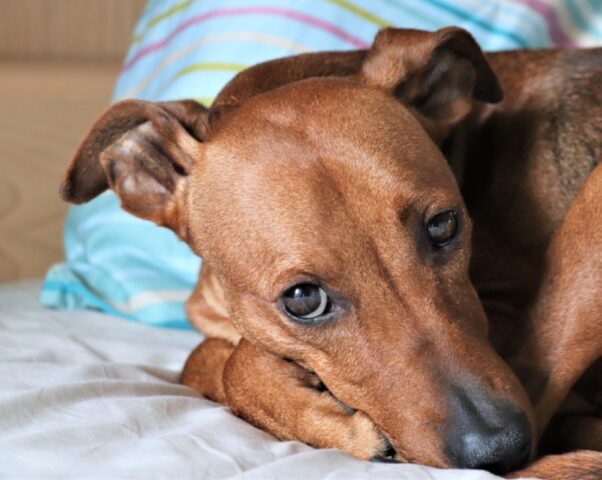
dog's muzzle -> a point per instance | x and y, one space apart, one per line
486 433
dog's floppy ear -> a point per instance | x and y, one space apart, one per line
437 74
144 152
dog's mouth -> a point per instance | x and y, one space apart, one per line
388 454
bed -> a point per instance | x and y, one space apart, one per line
88 395
89 381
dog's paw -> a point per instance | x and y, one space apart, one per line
366 441
356 434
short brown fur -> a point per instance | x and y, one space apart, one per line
323 168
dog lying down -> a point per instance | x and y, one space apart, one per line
402 246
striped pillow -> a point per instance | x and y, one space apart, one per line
189 49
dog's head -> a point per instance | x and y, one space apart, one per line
316 190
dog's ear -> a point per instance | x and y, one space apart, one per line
436 74
143 151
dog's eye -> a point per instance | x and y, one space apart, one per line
442 228
306 301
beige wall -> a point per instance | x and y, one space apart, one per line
58 63
73 29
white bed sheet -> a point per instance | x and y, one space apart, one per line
88 395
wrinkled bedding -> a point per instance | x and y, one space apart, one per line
89 395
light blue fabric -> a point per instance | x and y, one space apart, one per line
190 49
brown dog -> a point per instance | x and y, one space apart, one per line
333 197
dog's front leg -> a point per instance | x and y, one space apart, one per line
282 398
204 368
582 465
565 335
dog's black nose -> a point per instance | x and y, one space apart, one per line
487 434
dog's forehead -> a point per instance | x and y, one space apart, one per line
330 123
294 176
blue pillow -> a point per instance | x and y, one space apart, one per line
190 49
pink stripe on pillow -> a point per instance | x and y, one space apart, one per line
560 38
223 12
